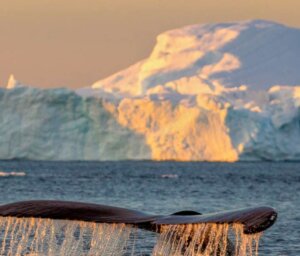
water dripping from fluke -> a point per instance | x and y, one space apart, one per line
72 228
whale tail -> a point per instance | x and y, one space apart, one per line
181 233
254 220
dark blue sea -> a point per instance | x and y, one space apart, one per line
167 187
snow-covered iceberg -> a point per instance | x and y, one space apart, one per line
215 92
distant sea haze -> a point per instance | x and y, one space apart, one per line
215 92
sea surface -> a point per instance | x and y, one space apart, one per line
167 187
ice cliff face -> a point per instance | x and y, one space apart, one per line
221 92
60 125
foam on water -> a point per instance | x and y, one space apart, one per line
32 236
8 174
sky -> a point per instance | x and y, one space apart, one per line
73 43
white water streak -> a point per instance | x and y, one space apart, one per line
45 237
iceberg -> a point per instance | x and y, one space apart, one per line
58 124
212 92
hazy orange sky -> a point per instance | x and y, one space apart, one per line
51 43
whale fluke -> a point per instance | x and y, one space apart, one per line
254 220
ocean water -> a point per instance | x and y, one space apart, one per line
167 187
